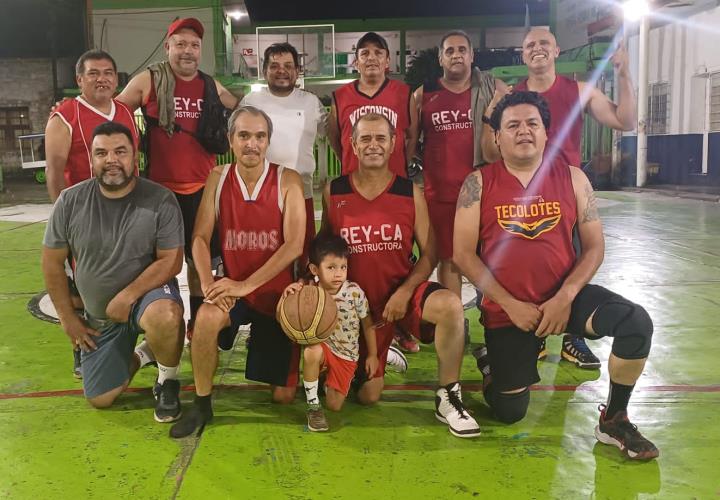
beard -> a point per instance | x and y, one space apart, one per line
182 66
115 183
285 86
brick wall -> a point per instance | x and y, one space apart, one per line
27 82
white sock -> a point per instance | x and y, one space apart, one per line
311 392
167 373
144 353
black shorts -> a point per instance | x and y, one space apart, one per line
513 352
189 205
272 358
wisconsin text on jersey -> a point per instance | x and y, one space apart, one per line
360 238
380 110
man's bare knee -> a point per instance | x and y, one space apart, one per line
283 395
368 395
368 399
210 320
444 307
106 399
162 316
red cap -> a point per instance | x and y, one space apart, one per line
188 22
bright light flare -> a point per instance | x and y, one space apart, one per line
236 14
634 10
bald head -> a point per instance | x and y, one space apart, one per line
539 50
537 33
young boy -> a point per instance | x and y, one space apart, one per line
339 354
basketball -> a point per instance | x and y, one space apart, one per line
308 316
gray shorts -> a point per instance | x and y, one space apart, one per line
108 367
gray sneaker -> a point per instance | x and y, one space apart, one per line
316 420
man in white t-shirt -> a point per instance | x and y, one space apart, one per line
298 117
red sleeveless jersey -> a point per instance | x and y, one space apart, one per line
391 101
526 234
81 118
448 151
563 99
250 226
180 158
380 235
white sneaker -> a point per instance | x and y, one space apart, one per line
396 360
450 410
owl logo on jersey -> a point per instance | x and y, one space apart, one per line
530 230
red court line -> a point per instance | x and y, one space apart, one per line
392 387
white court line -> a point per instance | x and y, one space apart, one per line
26 213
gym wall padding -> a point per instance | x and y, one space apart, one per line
679 157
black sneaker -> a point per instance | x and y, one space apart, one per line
619 431
193 421
542 349
77 366
167 401
575 350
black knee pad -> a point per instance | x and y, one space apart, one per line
511 408
629 323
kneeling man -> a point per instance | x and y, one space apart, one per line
126 236
521 211
260 212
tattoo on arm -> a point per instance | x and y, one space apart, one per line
469 193
590 213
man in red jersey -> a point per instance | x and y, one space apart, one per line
68 136
569 100
373 92
177 160
446 118
381 215
259 210
521 210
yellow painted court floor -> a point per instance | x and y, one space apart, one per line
661 252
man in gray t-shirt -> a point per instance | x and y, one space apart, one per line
126 236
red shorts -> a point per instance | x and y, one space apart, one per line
412 323
340 371
309 229
442 218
